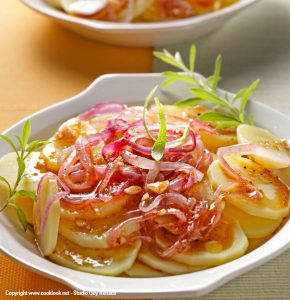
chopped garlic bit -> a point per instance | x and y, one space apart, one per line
162 212
81 223
158 187
133 190
145 197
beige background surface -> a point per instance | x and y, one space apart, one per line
42 63
254 44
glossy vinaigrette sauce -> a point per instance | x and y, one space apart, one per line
105 206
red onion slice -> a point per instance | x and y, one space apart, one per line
54 199
111 169
198 126
111 151
147 164
101 109
173 198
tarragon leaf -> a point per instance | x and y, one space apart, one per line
21 166
167 82
169 59
179 61
160 143
181 77
228 124
9 141
188 102
34 146
239 94
192 58
149 97
26 134
215 116
246 96
20 214
251 120
19 139
7 183
207 96
217 72
23 193
22 218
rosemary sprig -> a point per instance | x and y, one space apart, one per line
229 113
22 151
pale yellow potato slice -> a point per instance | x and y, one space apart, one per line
93 234
169 266
225 243
98 210
279 149
213 142
9 169
254 227
217 175
98 261
47 239
50 154
140 270
69 132
274 203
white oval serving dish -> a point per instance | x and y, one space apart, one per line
141 34
132 89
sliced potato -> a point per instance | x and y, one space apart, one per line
50 154
212 142
254 227
225 243
217 175
169 266
140 270
47 239
97 211
248 134
274 203
69 132
93 234
98 261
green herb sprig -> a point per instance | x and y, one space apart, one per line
22 150
230 113
159 142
